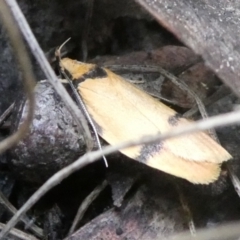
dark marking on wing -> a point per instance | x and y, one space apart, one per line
173 120
149 150
95 73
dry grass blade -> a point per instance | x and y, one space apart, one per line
6 113
85 204
19 234
34 228
28 76
219 94
220 120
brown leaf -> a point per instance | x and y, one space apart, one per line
210 28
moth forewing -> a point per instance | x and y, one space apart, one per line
122 112
195 172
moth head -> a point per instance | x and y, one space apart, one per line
74 68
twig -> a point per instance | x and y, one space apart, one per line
85 205
28 76
220 93
6 113
220 120
19 234
46 68
34 228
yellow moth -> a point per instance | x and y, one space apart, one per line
122 112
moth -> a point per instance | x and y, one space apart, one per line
121 111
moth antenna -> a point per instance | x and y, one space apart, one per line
80 101
58 51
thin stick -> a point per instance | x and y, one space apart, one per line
6 113
82 105
234 178
46 68
34 228
217 121
28 76
85 205
220 93
80 101
19 234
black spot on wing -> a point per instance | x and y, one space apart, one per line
149 150
95 72
173 120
